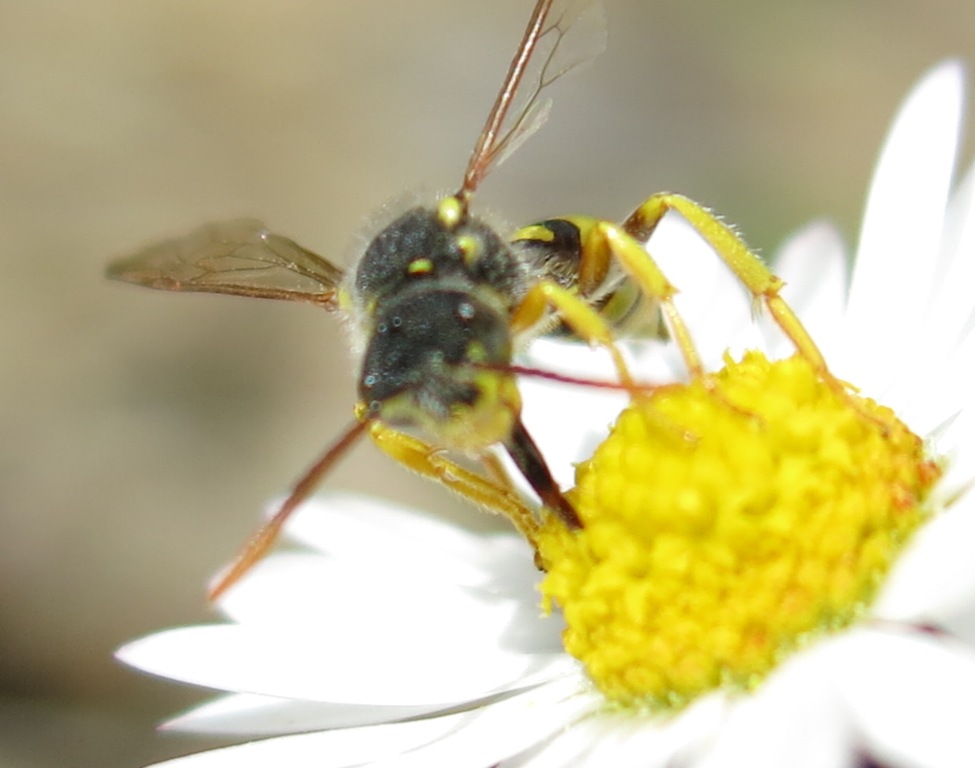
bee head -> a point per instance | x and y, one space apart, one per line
434 244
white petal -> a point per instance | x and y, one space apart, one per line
488 735
245 714
627 739
343 523
952 387
912 696
569 747
342 667
478 737
944 362
900 238
935 576
660 741
713 303
813 262
950 307
793 719
315 594
949 391
958 447
600 740
325 749
566 420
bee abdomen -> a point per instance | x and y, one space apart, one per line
426 350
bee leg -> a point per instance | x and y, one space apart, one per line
431 463
643 270
751 272
763 285
262 540
496 472
584 321
529 461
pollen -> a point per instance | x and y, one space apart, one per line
726 524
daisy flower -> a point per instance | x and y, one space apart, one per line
769 563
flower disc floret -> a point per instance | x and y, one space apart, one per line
725 523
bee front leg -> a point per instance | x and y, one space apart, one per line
584 321
634 259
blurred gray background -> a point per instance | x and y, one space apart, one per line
140 432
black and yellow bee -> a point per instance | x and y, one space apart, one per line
439 302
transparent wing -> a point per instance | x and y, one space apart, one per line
572 34
237 257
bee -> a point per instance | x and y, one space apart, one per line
440 302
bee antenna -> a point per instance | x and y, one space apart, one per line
266 535
538 373
487 142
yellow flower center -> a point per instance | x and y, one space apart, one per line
727 523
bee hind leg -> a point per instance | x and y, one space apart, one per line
430 462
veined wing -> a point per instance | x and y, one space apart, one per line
237 257
562 36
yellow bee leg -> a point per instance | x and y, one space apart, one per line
496 472
431 463
595 256
746 265
750 271
641 267
584 321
